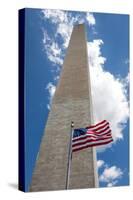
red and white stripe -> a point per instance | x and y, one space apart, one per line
96 135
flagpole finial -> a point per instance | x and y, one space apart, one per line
72 124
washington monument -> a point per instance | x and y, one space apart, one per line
72 102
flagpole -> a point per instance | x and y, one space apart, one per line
69 157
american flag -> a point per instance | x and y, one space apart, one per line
95 135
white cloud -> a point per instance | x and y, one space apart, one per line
100 163
90 18
51 89
65 31
108 93
113 183
52 49
94 53
55 16
111 175
64 17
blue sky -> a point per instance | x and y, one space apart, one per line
47 38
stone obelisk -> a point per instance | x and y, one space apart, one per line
71 102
